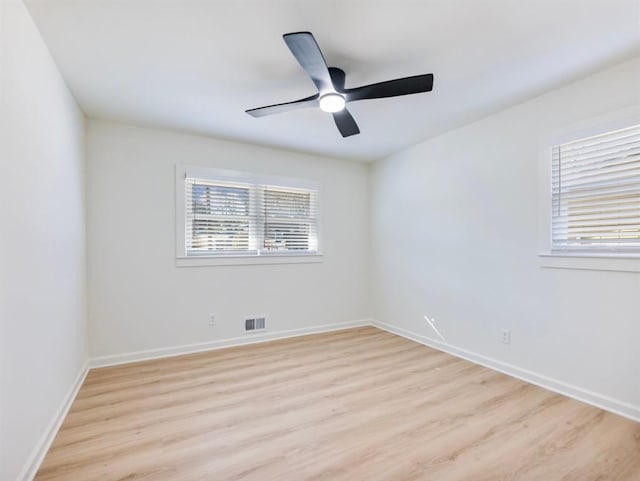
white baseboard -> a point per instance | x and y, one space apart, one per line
114 360
598 400
44 443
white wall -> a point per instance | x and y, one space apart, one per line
43 337
140 300
455 237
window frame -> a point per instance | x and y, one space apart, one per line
581 259
183 259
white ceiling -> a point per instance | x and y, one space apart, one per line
196 65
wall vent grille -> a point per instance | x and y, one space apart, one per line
255 323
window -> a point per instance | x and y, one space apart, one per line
218 217
596 193
236 214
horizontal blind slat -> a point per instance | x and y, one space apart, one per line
626 188
627 164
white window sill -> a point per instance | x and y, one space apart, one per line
591 261
239 260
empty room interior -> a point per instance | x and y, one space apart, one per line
387 240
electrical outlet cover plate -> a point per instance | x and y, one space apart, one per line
506 336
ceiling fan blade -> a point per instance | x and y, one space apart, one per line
278 108
305 49
337 78
346 123
391 88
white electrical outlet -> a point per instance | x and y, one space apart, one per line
212 319
506 336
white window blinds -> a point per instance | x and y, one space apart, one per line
218 217
289 218
596 192
236 218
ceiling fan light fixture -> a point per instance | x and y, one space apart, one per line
332 103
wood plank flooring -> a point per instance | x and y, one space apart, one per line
359 404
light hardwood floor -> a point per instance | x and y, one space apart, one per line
359 404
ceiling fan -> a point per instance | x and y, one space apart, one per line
332 95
